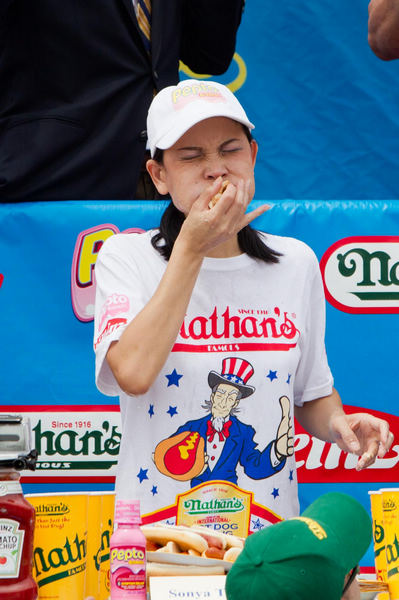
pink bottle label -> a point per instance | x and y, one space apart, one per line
128 565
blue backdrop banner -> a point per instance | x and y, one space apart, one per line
47 275
326 109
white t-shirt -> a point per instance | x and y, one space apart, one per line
250 326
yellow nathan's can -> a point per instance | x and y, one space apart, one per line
390 508
92 579
102 557
379 539
60 544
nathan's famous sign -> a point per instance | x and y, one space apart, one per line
361 274
75 443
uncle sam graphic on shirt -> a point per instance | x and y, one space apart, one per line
211 447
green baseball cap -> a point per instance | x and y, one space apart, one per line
305 557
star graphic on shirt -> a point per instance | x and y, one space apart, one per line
172 410
173 378
142 475
291 475
257 524
154 490
151 410
272 375
275 493
288 378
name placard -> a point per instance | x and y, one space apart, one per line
209 587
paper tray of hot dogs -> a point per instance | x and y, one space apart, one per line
191 547
186 559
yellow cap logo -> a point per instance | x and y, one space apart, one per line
314 527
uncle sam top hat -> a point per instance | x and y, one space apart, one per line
235 371
177 108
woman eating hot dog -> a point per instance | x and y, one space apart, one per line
212 334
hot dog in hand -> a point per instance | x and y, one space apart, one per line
217 196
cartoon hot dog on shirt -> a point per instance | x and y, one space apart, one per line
211 447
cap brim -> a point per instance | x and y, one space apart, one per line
193 115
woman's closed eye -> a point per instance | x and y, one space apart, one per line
230 150
190 153
188 157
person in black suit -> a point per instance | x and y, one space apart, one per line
76 82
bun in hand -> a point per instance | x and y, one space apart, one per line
217 196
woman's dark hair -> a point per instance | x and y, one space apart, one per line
172 219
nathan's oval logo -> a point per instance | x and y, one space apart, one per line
361 274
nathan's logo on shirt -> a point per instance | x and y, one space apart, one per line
205 507
361 274
254 329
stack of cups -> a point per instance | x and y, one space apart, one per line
71 544
385 516
100 528
379 540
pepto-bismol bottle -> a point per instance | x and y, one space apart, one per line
128 553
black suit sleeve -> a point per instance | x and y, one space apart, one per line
4 7
209 34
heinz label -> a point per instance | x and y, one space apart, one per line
11 545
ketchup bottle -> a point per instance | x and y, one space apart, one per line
17 516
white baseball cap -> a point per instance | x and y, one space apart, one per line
177 108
